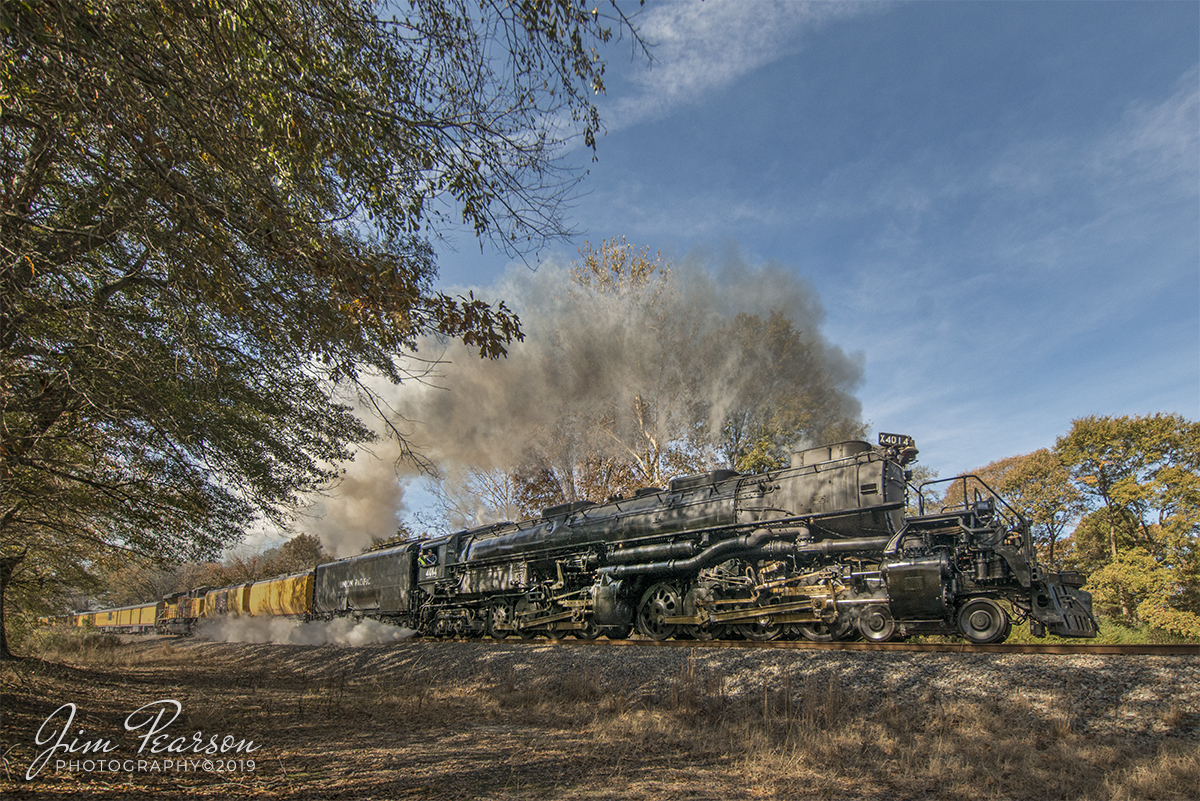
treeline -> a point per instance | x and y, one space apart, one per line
135 582
138 582
1117 498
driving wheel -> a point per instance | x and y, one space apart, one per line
658 603
763 629
590 630
826 632
500 614
621 632
703 596
523 609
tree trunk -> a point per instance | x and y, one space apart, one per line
7 565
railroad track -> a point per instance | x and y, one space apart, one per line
957 648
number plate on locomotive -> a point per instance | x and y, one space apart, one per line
897 441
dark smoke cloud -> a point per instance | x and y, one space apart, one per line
365 504
586 354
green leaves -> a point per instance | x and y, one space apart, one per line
1142 475
1128 488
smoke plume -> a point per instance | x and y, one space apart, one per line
627 369
362 506
618 371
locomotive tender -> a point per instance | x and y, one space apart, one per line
821 549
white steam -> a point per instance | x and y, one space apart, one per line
281 631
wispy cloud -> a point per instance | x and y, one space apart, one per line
699 47
1158 142
1066 283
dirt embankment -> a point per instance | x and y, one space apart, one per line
526 720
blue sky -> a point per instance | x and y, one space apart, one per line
998 203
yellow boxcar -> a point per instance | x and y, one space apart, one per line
289 595
233 601
138 618
147 615
127 618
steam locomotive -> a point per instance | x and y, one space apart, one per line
822 549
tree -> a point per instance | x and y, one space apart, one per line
471 498
922 501
1039 483
1141 476
210 221
301 552
646 420
137 581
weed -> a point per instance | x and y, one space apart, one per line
365 729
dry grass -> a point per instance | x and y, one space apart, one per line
343 731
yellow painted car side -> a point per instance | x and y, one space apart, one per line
289 595
147 615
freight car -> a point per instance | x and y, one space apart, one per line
821 549
283 596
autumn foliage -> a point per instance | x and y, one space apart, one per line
1118 498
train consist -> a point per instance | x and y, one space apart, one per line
821 549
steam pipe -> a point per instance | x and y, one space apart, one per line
706 558
826 547
670 550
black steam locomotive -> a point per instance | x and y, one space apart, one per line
822 549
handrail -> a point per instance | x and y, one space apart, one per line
1026 533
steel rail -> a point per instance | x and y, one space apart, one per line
956 648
